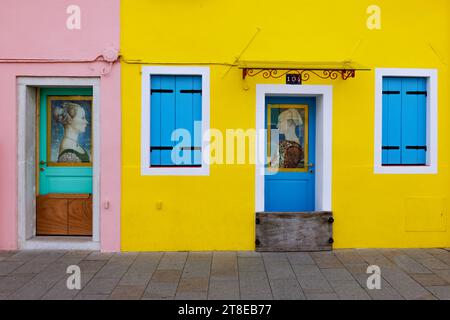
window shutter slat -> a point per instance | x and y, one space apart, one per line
197 117
167 118
385 153
184 117
413 122
422 118
155 119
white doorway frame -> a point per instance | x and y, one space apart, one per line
26 165
324 105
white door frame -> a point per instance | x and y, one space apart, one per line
26 165
323 166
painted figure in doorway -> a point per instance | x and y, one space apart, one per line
72 116
290 152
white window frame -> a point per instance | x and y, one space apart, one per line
147 72
431 166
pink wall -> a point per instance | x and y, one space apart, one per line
37 30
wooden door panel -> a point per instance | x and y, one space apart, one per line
80 216
51 216
64 215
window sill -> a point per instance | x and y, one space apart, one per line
178 171
406 170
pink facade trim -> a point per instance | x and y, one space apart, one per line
33 34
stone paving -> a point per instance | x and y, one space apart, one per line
412 274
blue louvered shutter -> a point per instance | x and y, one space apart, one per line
175 104
414 140
155 119
404 121
197 117
162 117
392 112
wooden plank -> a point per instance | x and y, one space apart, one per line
51 216
68 196
80 217
293 232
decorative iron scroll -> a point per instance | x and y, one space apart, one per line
305 74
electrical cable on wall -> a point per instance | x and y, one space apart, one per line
110 56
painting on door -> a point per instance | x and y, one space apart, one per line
288 137
69 130
64 197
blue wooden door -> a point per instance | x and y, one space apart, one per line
65 141
291 151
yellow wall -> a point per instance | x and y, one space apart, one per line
217 212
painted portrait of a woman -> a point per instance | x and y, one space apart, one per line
288 151
72 143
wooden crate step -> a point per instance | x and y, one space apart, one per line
294 232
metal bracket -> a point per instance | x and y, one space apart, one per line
305 74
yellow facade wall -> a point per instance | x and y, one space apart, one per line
217 212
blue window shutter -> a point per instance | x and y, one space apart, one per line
184 116
414 121
422 126
385 137
167 118
392 116
155 121
188 111
175 104
197 116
